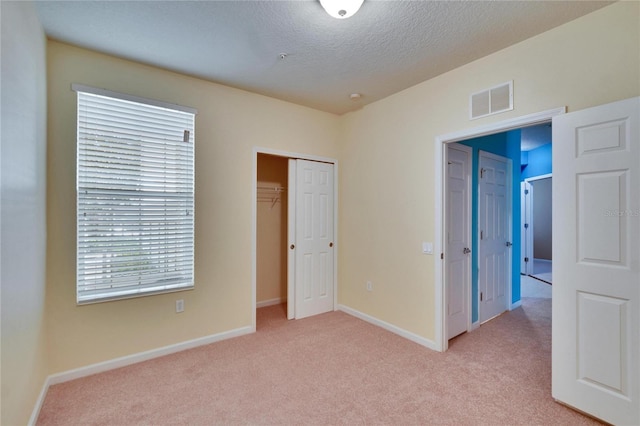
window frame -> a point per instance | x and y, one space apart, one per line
138 197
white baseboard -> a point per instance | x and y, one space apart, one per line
515 305
389 327
475 325
270 302
112 364
36 410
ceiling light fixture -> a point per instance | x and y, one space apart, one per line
341 9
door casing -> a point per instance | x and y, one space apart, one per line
254 209
441 342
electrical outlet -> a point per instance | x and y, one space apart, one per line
179 305
369 286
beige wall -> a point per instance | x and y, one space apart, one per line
387 155
229 124
271 232
23 262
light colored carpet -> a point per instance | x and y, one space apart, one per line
332 369
531 287
543 270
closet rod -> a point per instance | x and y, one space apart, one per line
272 188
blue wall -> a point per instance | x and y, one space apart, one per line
507 145
539 162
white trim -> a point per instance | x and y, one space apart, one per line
38 406
441 343
502 126
270 302
132 98
540 177
145 356
515 305
475 325
254 213
124 361
389 327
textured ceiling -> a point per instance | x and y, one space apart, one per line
386 47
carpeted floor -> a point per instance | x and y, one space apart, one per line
332 369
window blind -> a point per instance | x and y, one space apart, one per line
135 198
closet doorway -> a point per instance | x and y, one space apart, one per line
294 234
271 235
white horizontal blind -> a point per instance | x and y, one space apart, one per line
135 185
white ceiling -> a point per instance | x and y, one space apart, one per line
386 47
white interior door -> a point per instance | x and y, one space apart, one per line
313 245
596 269
495 237
526 228
457 257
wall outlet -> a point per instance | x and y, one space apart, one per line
369 286
179 305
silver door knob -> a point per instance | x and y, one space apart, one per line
466 250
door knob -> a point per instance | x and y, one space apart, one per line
292 246
330 244
466 250
509 244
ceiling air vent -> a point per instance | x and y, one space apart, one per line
491 101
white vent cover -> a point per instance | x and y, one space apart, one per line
491 101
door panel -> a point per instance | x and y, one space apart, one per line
314 238
458 260
596 246
493 221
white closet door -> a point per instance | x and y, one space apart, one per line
313 246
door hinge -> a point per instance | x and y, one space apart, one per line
481 234
526 259
481 296
482 173
441 256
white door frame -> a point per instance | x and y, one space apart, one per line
529 230
254 219
441 343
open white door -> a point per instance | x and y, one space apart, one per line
312 249
596 269
458 257
495 236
